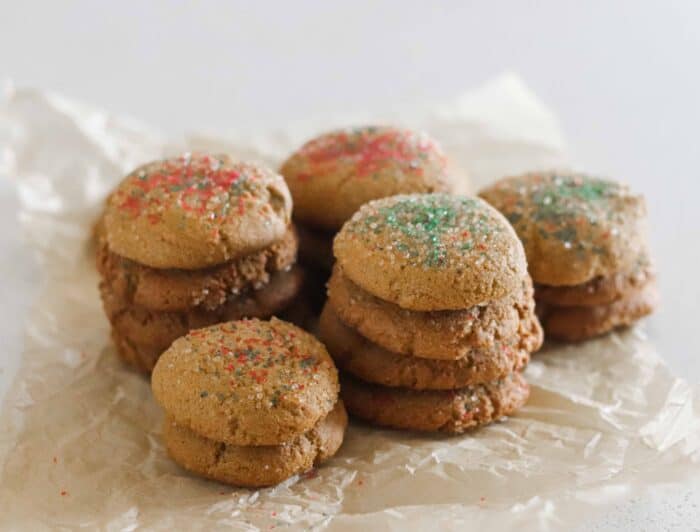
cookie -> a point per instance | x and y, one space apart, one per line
371 363
158 329
452 412
248 382
574 324
196 211
599 290
209 288
331 176
574 227
431 252
256 466
446 334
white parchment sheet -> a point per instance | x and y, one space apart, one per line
80 433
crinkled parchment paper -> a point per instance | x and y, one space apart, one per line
80 433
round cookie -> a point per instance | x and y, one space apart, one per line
574 324
446 334
158 329
431 252
209 288
574 227
371 363
331 176
452 412
599 290
256 466
196 211
248 382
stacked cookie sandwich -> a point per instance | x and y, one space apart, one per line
430 313
249 403
586 245
192 241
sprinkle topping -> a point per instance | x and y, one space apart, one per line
430 230
371 152
255 355
201 185
578 211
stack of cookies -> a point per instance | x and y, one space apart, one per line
586 245
249 403
192 241
331 176
430 313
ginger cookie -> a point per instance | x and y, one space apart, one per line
574 227
367 361
256 466
599 290
153 331
196 211
331 176
247 382
452 412
577 323
177 289
446 334
431 252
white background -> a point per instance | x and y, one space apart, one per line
623 77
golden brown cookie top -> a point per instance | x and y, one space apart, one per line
248 382
431 251
573 227
331 176
196 211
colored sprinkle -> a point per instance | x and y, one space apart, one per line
255 353
574 209
195 184
370 151
427 229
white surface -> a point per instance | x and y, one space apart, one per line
622 76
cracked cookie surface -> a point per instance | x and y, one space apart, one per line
248 382
196 211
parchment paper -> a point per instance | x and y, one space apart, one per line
80 434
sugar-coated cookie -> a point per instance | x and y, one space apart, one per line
574 227
208 288
371 363
599 290
331 176
431 252
154 331
577 323
446 334
452 412
196 211
256 466
248 382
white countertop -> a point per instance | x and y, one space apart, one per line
621 76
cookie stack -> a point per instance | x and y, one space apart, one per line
586 245
192 241
331 176
249 403
430 313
